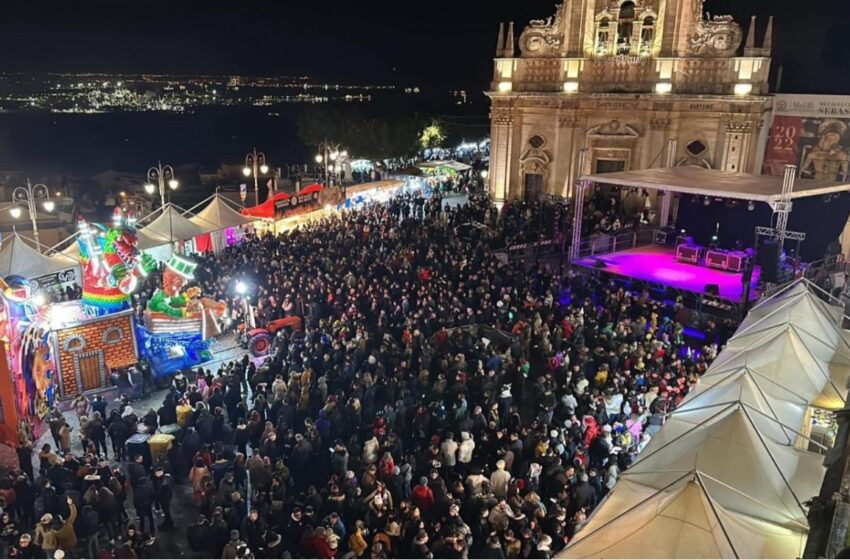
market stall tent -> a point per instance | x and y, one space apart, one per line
265 210
220 215
17 256
746 471
173 226
679 520
797 303
310 189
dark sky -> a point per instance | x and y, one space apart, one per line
439 42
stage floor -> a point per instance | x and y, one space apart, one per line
656 263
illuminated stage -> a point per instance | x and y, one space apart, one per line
658 264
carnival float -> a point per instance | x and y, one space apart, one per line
60 349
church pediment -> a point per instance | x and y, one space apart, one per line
613 129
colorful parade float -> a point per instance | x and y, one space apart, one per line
55 351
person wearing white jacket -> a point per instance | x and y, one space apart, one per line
450 450
465 449
370 451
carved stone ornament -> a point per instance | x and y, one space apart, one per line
535 159
613 128
718 37
543 37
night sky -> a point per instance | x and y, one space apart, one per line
438 42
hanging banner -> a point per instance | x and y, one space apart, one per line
243 191
61 278
811 132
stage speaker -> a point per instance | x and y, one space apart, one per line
599 263
768 260
712 290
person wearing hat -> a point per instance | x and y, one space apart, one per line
231 549
499 480
26 549
544 547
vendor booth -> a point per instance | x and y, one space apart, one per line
229 225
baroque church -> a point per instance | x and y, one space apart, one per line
613 85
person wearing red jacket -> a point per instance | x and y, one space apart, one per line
423 497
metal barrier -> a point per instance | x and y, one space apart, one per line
604 244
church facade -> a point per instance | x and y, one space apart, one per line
614 85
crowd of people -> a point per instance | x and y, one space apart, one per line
437 404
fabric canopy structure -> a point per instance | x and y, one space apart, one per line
18 256
678 521
171 226
729 472
218 215
310 189
265 210
435 166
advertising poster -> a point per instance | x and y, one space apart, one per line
811 132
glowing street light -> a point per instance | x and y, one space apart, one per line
159 175
29 195
255 164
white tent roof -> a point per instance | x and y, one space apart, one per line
171 225
678 521
813 368
746 471
18 256
796 304
218 215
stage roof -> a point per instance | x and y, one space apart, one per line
712 182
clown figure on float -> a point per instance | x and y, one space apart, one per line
111 263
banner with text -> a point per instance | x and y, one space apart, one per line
811 132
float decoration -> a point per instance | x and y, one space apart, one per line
178 321
111 263
173 308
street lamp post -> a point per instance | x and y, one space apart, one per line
29 195
161 173
255 163
332 157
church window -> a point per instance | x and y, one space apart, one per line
647 34
624 27
602 37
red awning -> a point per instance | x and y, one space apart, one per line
310 189
266 209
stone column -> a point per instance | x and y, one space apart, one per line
501 130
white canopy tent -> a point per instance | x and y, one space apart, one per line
218 216
18 256
737 437
727 443
173 226
680 520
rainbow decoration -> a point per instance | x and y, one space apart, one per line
111 263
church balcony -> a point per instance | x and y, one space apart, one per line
633 74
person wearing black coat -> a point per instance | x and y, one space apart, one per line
143 496
86 527
198 536
163 489
119 431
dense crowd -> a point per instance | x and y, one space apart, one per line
437 403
